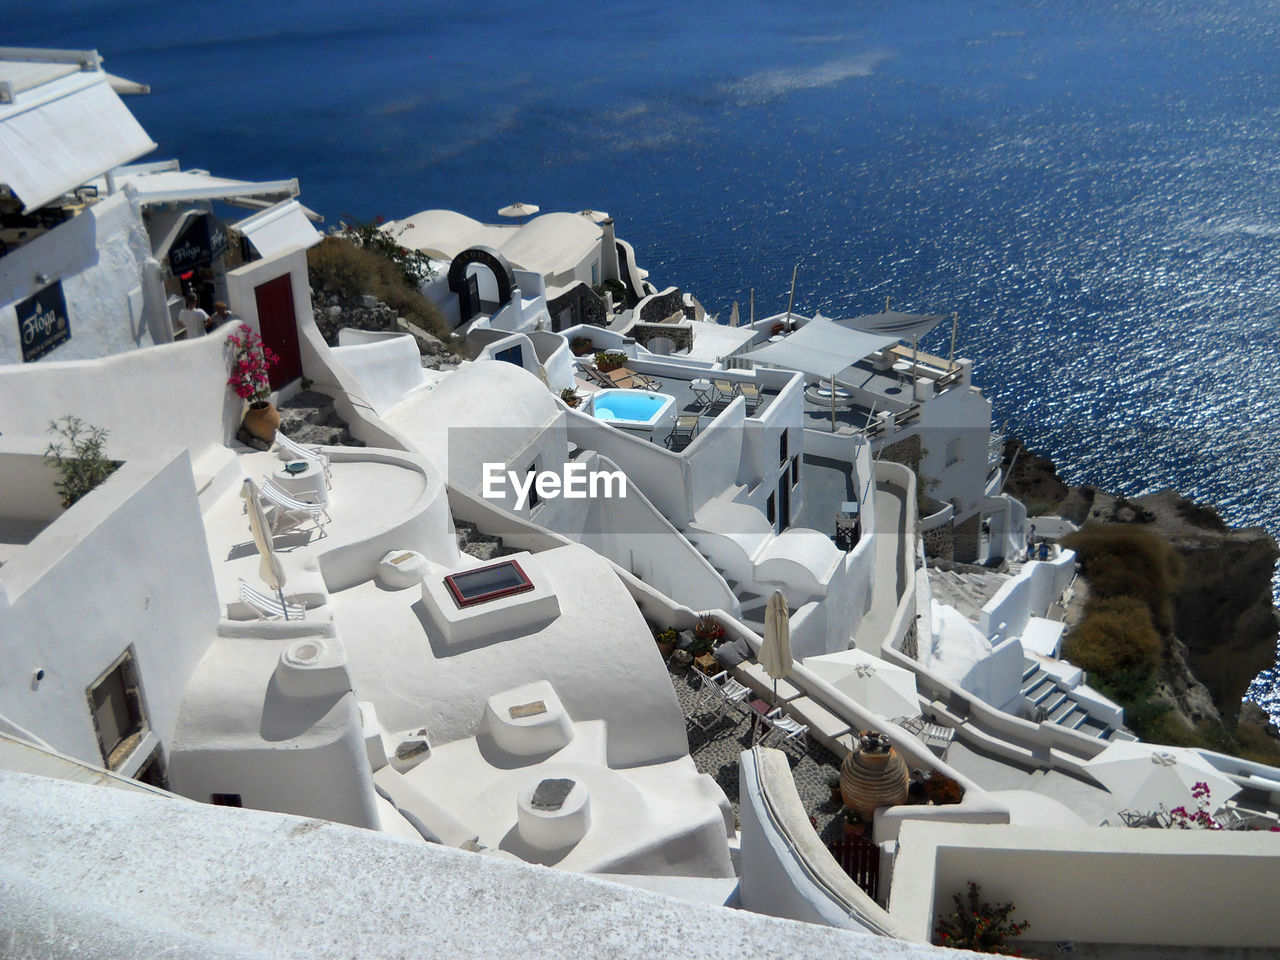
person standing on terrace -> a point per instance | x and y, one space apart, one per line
193 319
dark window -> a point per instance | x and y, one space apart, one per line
795 469
782 447
487 583
771 510
226 800
115 702
534 499
511 355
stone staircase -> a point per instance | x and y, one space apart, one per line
1054 703
482 546
310 418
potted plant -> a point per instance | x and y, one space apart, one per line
707 628
611 360
581 346
855 825
570 397
249 380
941 789
700 647
666 640
833 783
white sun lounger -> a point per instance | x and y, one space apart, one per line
299 511
269 607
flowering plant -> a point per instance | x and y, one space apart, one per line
979 925
249 369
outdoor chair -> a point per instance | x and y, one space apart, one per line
725 389
787 729
291 508
938 738
594 376
269 607
751 393
685 429
717 695
299 452
627 379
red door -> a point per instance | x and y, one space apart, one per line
279 327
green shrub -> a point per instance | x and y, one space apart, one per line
77 453
414 265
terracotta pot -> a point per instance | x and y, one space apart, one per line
665 648
261 420
871 778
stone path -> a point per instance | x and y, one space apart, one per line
715 752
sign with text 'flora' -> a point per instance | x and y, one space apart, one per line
42 322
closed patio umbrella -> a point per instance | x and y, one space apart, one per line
1145 777
269 567
775 651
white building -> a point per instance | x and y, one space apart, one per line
480 720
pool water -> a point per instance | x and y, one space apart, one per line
633 406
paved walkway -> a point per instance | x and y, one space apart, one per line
890 542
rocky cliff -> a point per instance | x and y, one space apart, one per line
1224 615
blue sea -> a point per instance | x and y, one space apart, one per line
1093 186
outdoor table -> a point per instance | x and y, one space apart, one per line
702 390
306 484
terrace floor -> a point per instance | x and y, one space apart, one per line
687 400
715 752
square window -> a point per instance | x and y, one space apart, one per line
115 704
782 447
487 583
226 800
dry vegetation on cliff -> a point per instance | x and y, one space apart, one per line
1180 616
346 270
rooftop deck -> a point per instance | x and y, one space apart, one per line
703 401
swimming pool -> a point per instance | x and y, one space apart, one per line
632 408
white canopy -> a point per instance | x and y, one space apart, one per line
56 144
279 227
822 348
901 325
165 183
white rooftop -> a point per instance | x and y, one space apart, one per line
60 127
143 876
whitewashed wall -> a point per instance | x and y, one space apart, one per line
98 256
126 565
174 393
1027 595
388 365
1104 885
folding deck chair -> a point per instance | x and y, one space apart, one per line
287 507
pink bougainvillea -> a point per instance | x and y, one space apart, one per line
249 367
